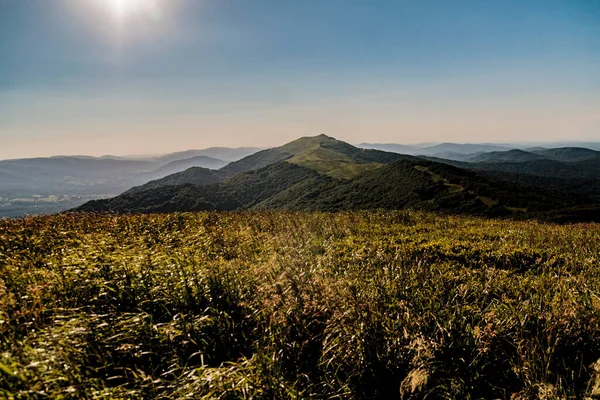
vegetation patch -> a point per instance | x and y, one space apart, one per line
452 187
281 305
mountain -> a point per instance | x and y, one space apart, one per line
322 153
569 163
466 148
509 156
459 151
322 173
390 147
565 171
242 191
437 150
573 143
49 175
415 184
182 165
221 153
194 175
452 155
53 184
561 154
569 154
83 174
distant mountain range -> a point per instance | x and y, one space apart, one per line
322 173
317 173
221 153
437 150
570 170
447 150
39 185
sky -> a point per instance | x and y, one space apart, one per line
120 77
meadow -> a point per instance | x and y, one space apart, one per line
279 305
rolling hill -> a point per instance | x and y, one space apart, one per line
89 175
241 191
182 165
544 167
226 154
437 150
321 173
569 154
509 156
322 153
568 172
54 184
194 175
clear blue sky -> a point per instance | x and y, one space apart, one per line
151 76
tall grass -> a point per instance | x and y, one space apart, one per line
365 305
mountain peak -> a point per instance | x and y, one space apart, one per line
309 143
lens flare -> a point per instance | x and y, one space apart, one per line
123 8
130 9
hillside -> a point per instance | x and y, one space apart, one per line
58 183
299 183
52 170
226 154
242 191
54 184
576 181
58 173
195 175
322 173
462 148
182 165
310 173
436 150
419 184
321 153
390 147
509 156
547 168
570 154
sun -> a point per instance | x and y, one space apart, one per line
125 8
125 21
130 9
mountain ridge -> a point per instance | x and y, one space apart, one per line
299 176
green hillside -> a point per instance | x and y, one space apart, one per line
322 153
194 175
570 154
514 155
322 173
242 191
412 184
568 180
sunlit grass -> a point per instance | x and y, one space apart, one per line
298 305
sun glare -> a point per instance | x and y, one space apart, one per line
123 10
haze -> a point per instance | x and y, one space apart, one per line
134 76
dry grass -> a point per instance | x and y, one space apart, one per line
291 306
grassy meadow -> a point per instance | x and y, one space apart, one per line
275 305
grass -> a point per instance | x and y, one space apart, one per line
452 187
364 305
332 163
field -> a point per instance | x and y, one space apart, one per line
274 305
